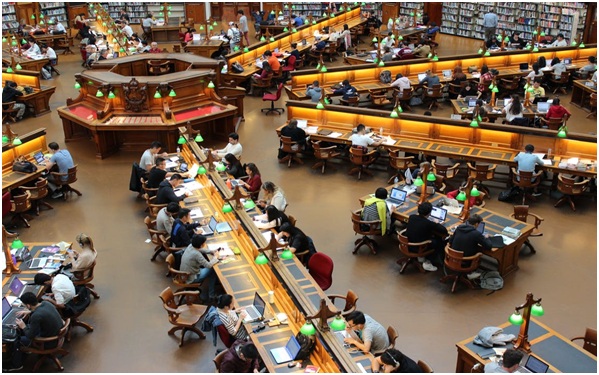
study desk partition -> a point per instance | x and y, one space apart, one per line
581 93
506 257
26 62
33 142
296 293
548 345
165 33
436 136
39 100
203 48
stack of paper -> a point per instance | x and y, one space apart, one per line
193 185
311 129
335 135
223 249
196 213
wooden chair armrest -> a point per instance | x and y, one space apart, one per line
537 174
492 168
45 339
59 174
455 166
514 171
473 257
330 148
537 217
373 222
577 338
187 293
27 188
470 166
419 243
332 297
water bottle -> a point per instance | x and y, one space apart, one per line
178 151
549 154
381 131
396 181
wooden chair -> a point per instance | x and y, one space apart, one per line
19 204
292 149
399 164
433 95
323 154
219 359
569 187
425 367
152 207
155 237
176 48
85 278
313 57
560 83
351 300
593 105
526 181
320 267
589 341
9 112
553 123
521 213
392 334
440 183
361 159
481 173
74 319
179 277
379 98
404 98
354 101
454 90
148 190
38 346
454 261
422 250
65 186
38 193
292 219
166 241
261 85
65 43
373 229
448 172
509 85
158 67
184 317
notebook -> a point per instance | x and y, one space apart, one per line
214 226
255 311
542 107
18 288
9 312
193 171
533 365
524 66
421 76
288 352
438 214
447 73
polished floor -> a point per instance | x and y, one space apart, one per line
131 326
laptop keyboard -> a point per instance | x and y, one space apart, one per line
252 313
11 317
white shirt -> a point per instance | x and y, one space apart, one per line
235 149
59 27
402 83
559 43
361 140
63 289
34 50
594 78
50 53
508 114
164 222
128 30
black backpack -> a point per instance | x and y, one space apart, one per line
509 195
307 344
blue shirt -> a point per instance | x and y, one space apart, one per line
490 20
299 21
527 161
63 159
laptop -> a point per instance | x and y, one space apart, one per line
568 61
37 263
542 107
472 102
421 76
533 365
9 312
438 215
507 101
255 311
539 99
214 226
523 67
288 352
481 227
39 158
397 197
447 73
18 288
183 167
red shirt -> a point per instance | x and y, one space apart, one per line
557 111
454 194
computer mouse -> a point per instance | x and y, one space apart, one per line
291 364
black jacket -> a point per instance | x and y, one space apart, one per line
166 193
467 239
420 229
9 94
181 233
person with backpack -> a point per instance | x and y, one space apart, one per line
234 36
183 229
347 90
470 241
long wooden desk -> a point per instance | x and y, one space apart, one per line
166 33
203 48
39 99
461 108
26 63
547 344
54 41
581 93
296 293
436 136
506 257
33 142
27 274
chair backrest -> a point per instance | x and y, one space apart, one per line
358 156
40 345
225 336
21 203
323 152
590 341
353 101
291 61
6 203
482 172
351 300
405 94
179 277
169 304
279 90
392 334
320 267
569 186
445 170
454 261
420 249
593 100
177 48
71 176
564 77
425 367
84 276
292 219
39 191
219 359
289 146
373 226
526 179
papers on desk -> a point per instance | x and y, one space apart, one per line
225 250
507 240
454 210
174 158
180 192
303 124
311 130
546 69
547 162
193 185
475 74
196 213
335 135
388 141
171 164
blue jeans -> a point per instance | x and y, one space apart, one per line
207 273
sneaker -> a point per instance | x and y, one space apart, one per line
428 266
536 194
57 194
12 369
473 275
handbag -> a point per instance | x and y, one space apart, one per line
24 166
236 67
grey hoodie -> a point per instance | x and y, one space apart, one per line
314 93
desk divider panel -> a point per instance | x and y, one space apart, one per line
496 138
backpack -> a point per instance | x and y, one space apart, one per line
236 67
508 195
491 280
385 76
236 36
307 344
46 73
77 305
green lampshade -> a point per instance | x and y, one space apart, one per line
236 48
400 38
293 7
338 324
461 196
506 39
162 7
18 67
542 33
381 63
169 12
211 85
9 70
327 100
170 7
13 43
394 113
293 30
474 123
221 167
526 86
411 14
341 9
210 27
280 13
99 94
286 7
286 254
199 138
33 16
516 318
374 40
262 39
157 95
23 41
111 95
495 89
491 86
245 49
332 15
16 244
313 22
202 170
499 38
272 12
249 204
435 58
161 14
109 31
122 49
319 105
418 181
227 208
376 60
363 4
535 32
323 68
487 53
324 14
474 192
214 23
537 310
201 27
104 24
562 132
581 45
261 259
527 47
399 109
272 39
392 36
181 140
5 138
480 51
573 44
536 49
17 141
431 177
318 66
530 89
308 329
172 93
479 118
285 29
4 40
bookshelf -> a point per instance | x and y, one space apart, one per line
406 8
466 18
10 23
55 10
374 9
167 11
136 10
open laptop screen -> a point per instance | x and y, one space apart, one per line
16 286
398 194
524 66
471 102
481 227
536 365
5 307
542 106
259 304
439 213
421 76
568 61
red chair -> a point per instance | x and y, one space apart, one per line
6 197
272 98
224 335
290 67
320 267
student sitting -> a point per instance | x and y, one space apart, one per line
347 90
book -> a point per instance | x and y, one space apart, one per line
312 369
